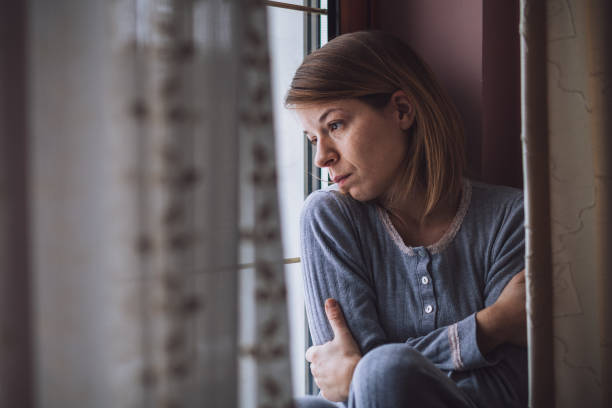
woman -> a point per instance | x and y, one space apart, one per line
421 268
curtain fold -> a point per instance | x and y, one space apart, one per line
265 347
152 178
599 15
537 202
568 154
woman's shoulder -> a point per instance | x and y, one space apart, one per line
495 198
329 204
496 215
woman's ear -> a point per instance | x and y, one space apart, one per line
403 110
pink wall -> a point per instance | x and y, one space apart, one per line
472 47
448 35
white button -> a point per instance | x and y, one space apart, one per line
428 309
424 280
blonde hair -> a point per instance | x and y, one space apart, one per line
372 65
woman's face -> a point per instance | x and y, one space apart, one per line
362 147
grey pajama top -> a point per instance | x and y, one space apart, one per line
426 297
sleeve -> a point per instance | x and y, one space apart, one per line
506 255
453 347
456 347
333 267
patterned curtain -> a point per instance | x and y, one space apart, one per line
567 124
154 249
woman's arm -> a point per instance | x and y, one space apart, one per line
334 268
332 364
505 321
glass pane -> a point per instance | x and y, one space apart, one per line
323 32
286 38
297 2
323 37
286 44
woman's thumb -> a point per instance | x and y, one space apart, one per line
336 318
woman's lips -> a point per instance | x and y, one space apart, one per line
340 180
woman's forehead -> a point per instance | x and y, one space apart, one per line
313 116
318 109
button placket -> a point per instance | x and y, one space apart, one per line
425 288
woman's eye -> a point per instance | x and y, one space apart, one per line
334 126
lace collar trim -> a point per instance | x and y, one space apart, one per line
466 196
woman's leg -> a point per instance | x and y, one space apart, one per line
396 375
310 401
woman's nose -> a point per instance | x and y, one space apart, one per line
326 154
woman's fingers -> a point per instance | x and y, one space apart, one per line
336 318
514 292
311 353
519 278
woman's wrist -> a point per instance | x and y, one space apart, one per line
489 330
351 365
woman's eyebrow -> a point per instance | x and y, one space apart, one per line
327 112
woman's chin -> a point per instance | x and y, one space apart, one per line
356 194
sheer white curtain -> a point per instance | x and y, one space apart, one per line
155 251
567 111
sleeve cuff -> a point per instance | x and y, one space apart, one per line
465 353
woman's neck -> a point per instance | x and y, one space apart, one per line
406 214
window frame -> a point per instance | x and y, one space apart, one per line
356 15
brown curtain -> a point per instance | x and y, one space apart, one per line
566 62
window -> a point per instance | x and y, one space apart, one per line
293 33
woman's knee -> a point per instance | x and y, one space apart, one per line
310 401
395 363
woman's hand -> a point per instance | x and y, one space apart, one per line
332 364
505 321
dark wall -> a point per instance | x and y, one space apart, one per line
15 346
501 94
473 48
